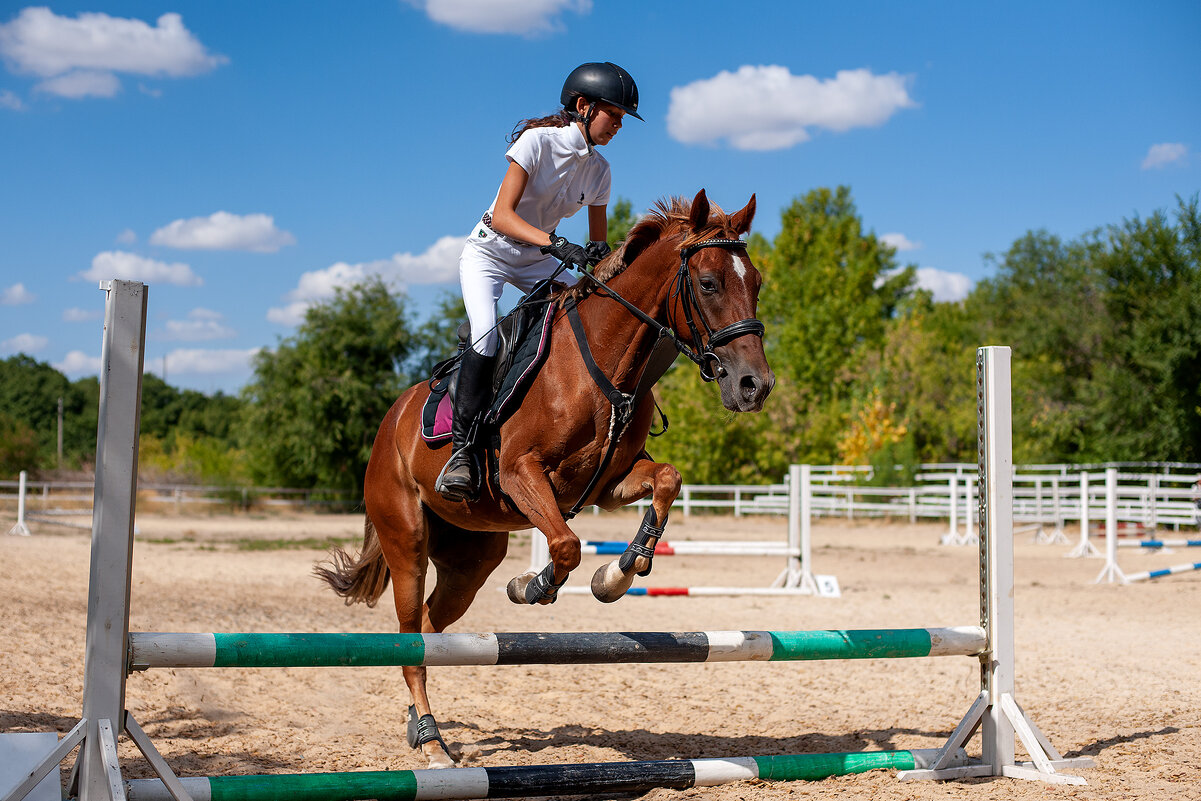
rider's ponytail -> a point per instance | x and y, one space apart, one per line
560 120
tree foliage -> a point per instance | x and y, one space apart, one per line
315 402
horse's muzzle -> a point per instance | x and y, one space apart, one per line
746 390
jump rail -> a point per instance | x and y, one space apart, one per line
97 776
162 650
523 781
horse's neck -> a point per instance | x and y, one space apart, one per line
620 342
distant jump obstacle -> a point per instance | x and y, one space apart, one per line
1112 573
111 650
796 578
41 516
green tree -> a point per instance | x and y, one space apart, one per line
437 338
621 220
1146 399
830 291
18 446
315 403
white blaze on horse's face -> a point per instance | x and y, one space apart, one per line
739 264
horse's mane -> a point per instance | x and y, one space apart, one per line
668 218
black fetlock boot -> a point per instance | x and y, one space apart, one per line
460 479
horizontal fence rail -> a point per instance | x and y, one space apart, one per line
536 780
1150 494
171 650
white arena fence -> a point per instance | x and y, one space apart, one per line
1150 495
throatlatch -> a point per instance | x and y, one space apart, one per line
643 543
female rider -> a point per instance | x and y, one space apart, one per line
554 171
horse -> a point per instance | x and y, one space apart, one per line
570 443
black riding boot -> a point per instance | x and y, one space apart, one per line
460 479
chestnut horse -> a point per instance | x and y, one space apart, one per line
682 273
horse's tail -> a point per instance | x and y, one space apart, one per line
358 579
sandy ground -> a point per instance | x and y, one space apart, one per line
1110 672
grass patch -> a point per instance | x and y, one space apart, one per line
305 544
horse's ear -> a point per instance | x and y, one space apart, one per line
698 216
740 221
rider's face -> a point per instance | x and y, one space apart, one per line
606 121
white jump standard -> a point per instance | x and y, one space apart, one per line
112 651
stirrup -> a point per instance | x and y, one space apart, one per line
460 492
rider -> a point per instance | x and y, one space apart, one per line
554 171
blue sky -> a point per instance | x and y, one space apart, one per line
243 159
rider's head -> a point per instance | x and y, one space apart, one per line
598 95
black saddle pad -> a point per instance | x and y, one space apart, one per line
526 352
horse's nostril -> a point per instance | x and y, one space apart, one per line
750 386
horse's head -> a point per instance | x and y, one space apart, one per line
718 294
715 293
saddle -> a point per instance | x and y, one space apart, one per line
524 341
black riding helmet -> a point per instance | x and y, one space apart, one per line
596 81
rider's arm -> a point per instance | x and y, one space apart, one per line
506 220
598 223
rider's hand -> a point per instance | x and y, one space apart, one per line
597 251
570 254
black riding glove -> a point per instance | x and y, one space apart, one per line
597 251
570 254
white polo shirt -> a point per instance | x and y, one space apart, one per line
565 175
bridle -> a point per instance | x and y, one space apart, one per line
667 345
709 362
702 350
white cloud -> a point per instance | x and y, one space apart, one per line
525 17
900 242
127 237
40 42
1164 154
24 343
16 295
81 83
769 108
201 325
438 264
77 363
10 101
224 231
132 267
292 314
943 285
80 56
77 315
205 362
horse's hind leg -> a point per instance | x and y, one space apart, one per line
464 561
662 482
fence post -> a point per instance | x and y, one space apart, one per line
1111 572
20 529
1084 547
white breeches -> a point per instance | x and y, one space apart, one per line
485 266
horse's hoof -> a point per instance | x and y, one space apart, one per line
609 583
437 757
517 585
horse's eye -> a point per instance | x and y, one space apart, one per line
708 285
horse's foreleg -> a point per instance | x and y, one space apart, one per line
662 481
532 494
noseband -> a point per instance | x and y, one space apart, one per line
708 361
